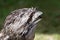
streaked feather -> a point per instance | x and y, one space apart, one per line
20 24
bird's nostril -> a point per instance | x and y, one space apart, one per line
40 16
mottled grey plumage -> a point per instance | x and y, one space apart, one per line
20 24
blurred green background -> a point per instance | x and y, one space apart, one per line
50 23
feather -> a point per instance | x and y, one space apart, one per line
21 24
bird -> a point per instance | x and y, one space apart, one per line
21 24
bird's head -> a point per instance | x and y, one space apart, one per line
22 21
